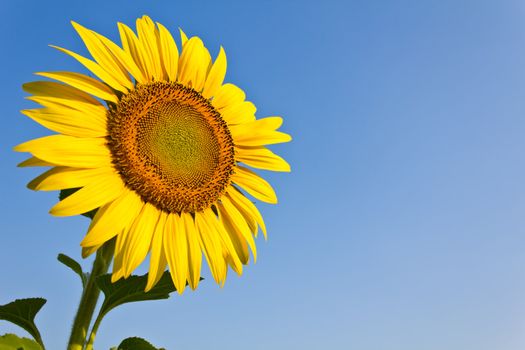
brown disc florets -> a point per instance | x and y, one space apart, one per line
171 147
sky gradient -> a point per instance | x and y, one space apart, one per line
401 226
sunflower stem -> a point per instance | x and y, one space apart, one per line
93 333
89 299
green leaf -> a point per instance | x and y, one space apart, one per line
14 342
22 312
131 289
75 266
136 343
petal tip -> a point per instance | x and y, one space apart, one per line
17 148
115 276
32 185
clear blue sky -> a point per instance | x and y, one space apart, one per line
402 224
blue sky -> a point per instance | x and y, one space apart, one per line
401 225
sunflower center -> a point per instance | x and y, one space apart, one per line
171 147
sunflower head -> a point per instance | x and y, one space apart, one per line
160 147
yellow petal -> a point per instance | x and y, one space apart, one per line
124 59
269 123
229 251
239 113
169 53
261 158
176 250
103 56
54 89
254 185
112 218
139 238
158 261
96 69
193 64
228 94
239 243
194 251
96 111
248 217
84 83
72 122
216 75
264 124
183 37
59 178
133 47
212 248
245 205
90 250
148 39
248 136
69 151
102 190
118 257
33 161
236 226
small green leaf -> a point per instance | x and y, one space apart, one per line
136 343
22 312
75 266
14 342
131 289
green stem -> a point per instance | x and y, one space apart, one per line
93 333
38 339
89 299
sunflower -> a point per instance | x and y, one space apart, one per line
160 147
